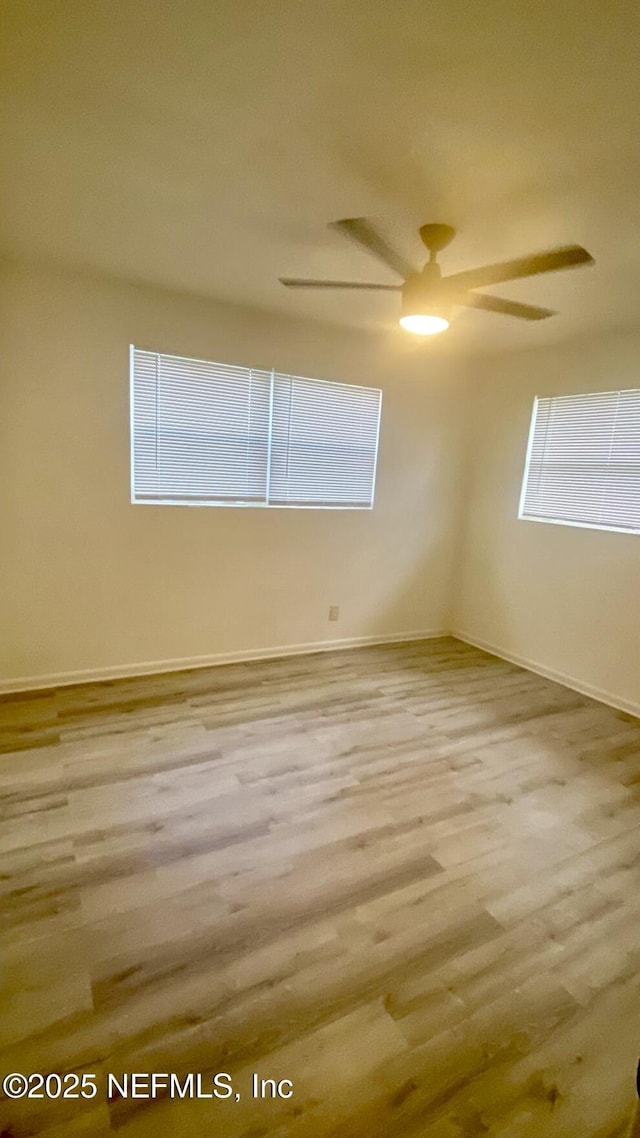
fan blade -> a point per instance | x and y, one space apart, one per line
565 258
359 230
295 282
506 307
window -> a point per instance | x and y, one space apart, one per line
583 461
218 435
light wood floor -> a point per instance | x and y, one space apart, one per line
406 878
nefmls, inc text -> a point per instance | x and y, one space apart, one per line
167 1084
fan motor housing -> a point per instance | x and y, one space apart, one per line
420 293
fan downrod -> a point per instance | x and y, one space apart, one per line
437 236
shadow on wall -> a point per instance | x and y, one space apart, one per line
421 586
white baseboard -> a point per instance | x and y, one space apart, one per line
187 663
183 664
600 694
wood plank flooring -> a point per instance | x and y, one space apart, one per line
405 878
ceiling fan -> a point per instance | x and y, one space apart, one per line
427 296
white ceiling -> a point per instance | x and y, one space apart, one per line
203 145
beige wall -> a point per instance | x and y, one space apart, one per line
564 599
91 582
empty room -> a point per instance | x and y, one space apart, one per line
319 569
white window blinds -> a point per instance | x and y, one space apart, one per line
324 443
583 461
214 434
199 430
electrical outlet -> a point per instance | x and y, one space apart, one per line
334 612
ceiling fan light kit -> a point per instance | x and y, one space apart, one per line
427 297
423 324
420 312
